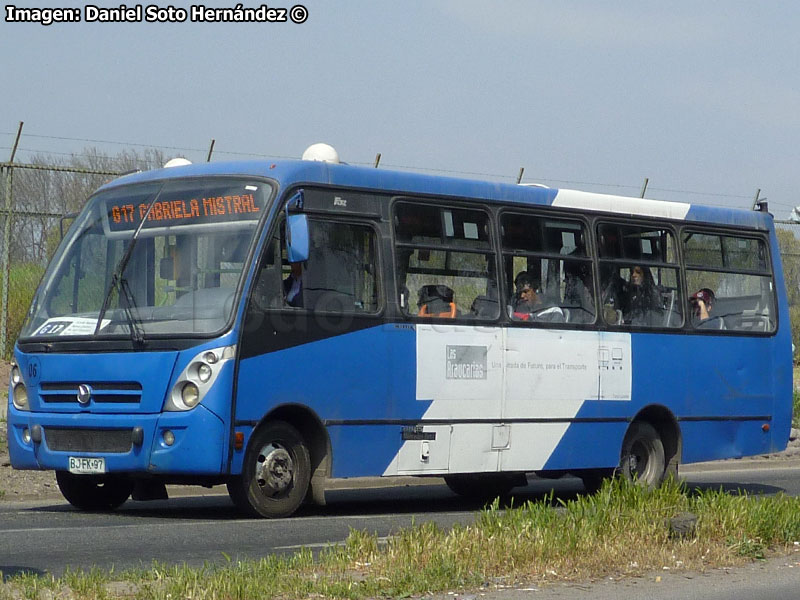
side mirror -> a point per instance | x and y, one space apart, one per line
297 235
297 238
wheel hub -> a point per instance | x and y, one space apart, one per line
275 470
633 462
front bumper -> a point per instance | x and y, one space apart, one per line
199 447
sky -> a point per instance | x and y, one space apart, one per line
700 98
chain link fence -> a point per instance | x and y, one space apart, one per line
34 201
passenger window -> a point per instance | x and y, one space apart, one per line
445 266
547 270
340 275
639 283
729 283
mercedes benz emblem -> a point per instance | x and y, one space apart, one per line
84 393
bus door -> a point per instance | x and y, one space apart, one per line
447 288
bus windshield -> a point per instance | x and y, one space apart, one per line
162 258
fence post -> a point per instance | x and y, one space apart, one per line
644 187
6 266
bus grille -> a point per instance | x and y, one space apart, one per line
88 440
113 392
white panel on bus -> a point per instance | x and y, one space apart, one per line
551 373
472 450
503 377
429 455
621 204
461 369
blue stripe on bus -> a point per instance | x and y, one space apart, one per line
369 374
720 380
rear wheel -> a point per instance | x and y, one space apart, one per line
94 492
642 457
275 474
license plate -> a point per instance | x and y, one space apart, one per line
87 466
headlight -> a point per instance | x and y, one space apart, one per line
15 375
197 378
20 397
190 394
204 372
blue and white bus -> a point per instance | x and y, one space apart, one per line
275 326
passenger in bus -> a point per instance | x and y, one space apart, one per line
578 291
643 301
528 305
702 302
615 291
293 286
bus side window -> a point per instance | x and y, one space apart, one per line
732 275
547 270
340 275
644 290
445 265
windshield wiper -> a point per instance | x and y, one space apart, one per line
119 283
131 313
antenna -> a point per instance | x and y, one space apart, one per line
760 204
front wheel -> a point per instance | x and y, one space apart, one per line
94 492
275 474
642 457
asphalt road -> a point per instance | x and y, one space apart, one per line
50 536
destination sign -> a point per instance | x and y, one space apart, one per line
184 211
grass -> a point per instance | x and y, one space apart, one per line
796 409
23 280
621 530
796 397
3 444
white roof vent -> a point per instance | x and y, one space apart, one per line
177 162
321 152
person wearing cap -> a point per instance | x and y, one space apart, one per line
702 302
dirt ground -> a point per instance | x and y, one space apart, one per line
14 484
18 485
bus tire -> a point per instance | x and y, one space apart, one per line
480 486
642 457
276 473
94 492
